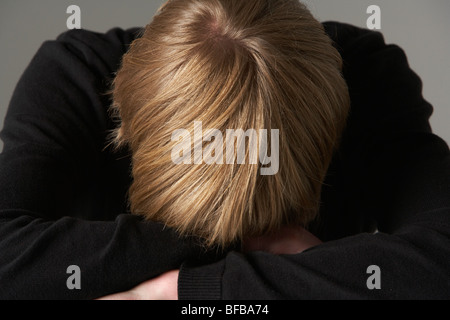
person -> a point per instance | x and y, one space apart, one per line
236 69
63 193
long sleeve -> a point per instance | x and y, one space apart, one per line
62 193
391 172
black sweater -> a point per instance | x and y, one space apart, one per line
63 194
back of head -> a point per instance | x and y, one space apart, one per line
230 64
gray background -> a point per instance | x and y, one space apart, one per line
420 27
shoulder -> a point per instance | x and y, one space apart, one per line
91 46
350 39
113 36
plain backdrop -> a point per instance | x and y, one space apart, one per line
420 27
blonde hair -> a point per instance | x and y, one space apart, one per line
231 64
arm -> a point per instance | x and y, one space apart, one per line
62 194
288 240
392 167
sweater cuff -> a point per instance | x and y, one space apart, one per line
201 282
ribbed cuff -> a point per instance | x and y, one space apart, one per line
201 283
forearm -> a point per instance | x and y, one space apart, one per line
410 269
113 257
